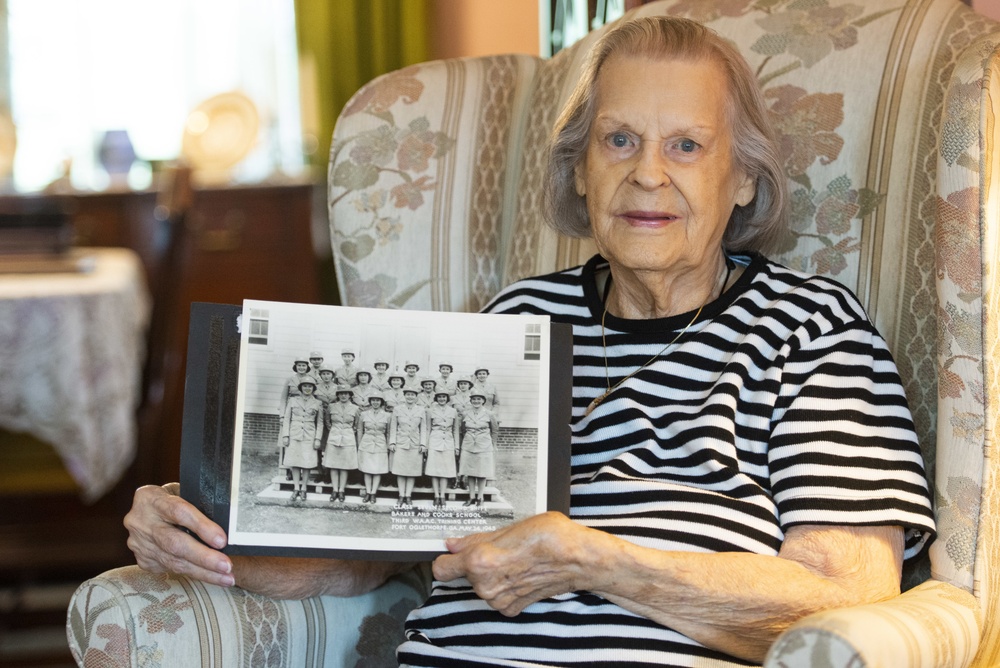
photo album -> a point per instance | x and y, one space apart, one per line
343 432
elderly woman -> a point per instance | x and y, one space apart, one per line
742 452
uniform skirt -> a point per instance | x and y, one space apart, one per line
344 457
441 463
477 455
407 462
373 454
300 453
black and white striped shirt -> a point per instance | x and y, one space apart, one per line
779 406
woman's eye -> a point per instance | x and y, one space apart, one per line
687 145
619 140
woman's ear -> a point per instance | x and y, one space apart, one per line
746 192
579 179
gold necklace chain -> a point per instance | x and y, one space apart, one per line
604 344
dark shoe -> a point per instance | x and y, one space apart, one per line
479 503
334 497
469 502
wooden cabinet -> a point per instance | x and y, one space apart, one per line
237 242
240 243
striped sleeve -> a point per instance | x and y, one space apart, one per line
843 449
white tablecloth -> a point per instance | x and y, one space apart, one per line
72 347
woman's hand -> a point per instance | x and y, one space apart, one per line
528 561
156 525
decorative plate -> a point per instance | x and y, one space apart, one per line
220 132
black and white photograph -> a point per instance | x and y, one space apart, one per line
385 431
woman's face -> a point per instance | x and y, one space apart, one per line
396 382
658 173
482 375
410 397
344 397
326 376
477 401
363 378
301 367
441 399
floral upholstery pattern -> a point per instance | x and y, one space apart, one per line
939 631
128 617
886 111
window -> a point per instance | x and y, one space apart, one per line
533 341
258 326
564 22
80 69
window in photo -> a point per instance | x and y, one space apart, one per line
258 326
532 341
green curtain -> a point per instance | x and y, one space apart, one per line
350 42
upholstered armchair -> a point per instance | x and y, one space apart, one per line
887 115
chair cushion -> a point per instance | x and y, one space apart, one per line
129 617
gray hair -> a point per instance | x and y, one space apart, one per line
759 225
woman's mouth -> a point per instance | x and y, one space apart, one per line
637 218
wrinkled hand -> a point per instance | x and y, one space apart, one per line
523 563
160 545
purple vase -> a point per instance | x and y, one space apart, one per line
115 153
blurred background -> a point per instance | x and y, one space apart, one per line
103 104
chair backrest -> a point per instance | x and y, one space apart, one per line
886 111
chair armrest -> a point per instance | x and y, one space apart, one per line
933 625
128 617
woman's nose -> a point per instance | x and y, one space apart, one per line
651 166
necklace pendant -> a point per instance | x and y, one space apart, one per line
595 403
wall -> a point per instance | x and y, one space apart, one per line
486 27
990 8
483 27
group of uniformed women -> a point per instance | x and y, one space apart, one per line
382 422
